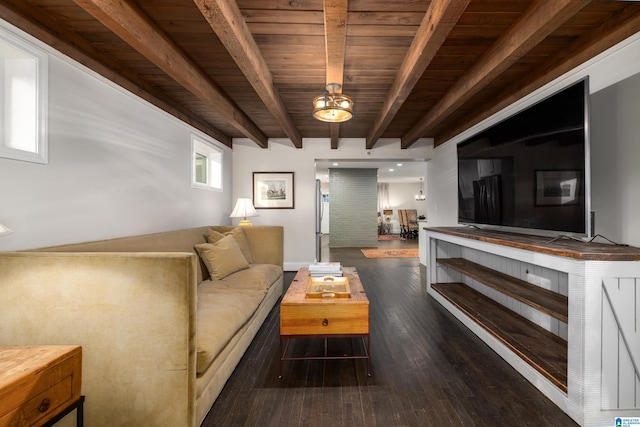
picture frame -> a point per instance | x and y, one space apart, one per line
273 190
557 187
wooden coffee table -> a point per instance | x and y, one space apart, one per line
330 317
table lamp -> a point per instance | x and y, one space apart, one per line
4 230
244 208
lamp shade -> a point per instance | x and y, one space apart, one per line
244 208
4 230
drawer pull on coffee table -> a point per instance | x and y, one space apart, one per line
325 322
44 405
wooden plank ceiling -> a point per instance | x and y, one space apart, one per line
250 68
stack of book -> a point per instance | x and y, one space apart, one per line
319 269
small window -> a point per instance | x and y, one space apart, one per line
23 95
206 167
201 169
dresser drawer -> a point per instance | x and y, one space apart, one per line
40 406
324 319
38 384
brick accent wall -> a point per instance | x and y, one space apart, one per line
353 221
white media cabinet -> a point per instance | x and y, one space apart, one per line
564 314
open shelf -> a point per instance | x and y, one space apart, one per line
541 349
559 311
549 302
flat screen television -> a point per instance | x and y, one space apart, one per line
530 172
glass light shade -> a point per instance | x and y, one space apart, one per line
244 208
420 197
333 107
4 230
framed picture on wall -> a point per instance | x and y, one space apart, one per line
557 187
273 190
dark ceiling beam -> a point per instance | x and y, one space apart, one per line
135 28
335 36
335 41
540 20
227 22
334 132
440 18
618 27
33 21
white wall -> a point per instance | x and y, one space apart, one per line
442 186
117 167
615 153
610 203
281 156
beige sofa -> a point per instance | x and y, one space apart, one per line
160 337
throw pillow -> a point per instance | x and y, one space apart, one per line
213 236
222 258
240 238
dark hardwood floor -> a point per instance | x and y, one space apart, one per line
428 368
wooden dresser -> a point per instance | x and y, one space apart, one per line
39 384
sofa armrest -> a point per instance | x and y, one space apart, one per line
132 313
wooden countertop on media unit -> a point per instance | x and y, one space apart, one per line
568 248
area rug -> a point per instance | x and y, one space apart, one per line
390 237
390 253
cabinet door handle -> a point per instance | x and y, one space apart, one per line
325 322
44 405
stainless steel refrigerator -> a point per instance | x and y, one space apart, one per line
319 212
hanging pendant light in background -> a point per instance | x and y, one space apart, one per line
420 197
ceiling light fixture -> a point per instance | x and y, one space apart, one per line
332 106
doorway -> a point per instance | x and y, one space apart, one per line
403 175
